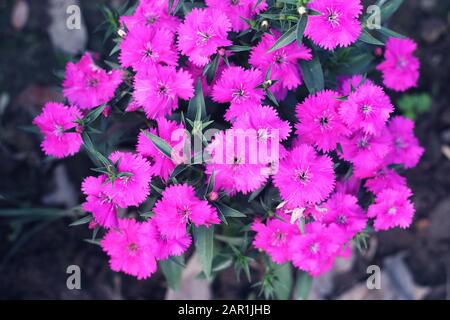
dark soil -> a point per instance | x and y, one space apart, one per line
37 269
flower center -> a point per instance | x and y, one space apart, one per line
150 19
279 238
363 143
280 57
366 109
333 17
58 131
341 219
204 36
185 213
92 82
239 94
163 89
302 176
132 248
392 211
314 248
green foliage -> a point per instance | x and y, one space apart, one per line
412 105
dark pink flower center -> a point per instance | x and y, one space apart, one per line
279 238
366 109
363 143
92 82
314 248
333 17
280 57
132 248
392 211
239 94
303 176
341 219
185 213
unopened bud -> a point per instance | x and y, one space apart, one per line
213 196
121 33
264 25
301 10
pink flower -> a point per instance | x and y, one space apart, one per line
151 14
406 149
235 10
275 237
320 124
143 47
170 132
385 179
237 167
367 108
197 73
158 88
55 122
238 87
285 68
343 210
400 68
202 33
98 202
348 84
304 177
131 187
366 152
180 206
264 120
316 249
336 25
87 85
392 209
349 185
131 248
167 247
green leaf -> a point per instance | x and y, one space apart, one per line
368 38
303 285
172 271
160 144
312 74
228 211
211 69
389 33
210 186
301 25
283 281
94 114
204 244
237 48
287 38
196 109
81 221
389 8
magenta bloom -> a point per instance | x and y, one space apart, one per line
143 47
151 14
54 122
180 206
392 208
238 87
235 10
99 202
385 179
320 124
275 237
237 167
304 177
88 86
264 120
132 188
400 68
131 248
348 84
336 25
366 152
167 247
202 33
406 149
316 249
367 108
158 88
285 68
170 132
343 210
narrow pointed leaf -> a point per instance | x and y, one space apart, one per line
204 244
287 38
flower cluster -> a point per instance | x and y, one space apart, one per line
308 163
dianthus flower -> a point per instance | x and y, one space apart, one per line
275 236
336 24
158 88
385 179
304 177
406 149
367 108
400 67
170 132
143 47
88 86
180 206
167 247
151 14
102 206
348 84
320 124
202 33
235 10
131 248
392 208
131 185
237 167
283 62
58 124
367 152
316 250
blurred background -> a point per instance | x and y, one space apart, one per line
37 194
